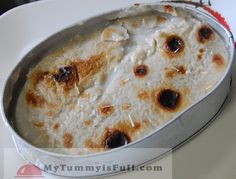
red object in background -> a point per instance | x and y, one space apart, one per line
218 16
28 171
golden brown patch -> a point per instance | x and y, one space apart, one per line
172 72
161 19
85 95
141 71
127 128
218 61
68 140
143 95
146 122
108 32
38 76
93 145
200 54
204 34
86 68
126 106
169 9
174 46
201 50
52 113
34 99
88 122
38 124
56 126
106 109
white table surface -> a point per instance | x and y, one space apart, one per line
210 155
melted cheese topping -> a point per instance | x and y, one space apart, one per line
120 83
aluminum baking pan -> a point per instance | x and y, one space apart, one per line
170 135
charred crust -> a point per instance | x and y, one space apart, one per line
123 127
205 34
116 139
67 75
169 99
174 46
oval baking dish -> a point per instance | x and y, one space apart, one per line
169 133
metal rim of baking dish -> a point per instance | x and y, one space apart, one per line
184 6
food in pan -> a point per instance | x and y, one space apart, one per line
121 82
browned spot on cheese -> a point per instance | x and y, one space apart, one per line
86 68
141 71
85 95
136 4
143 95
172 72
38 124
116 139
123 127
174 46
52 113
204 34
68 76
89 143
38 76
218 61
146 122
56 126
126 106
200 54
161 19
201 50
169 99
34 100
67 140
169 9
108 32
88 122
126 127
106 109
181 69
